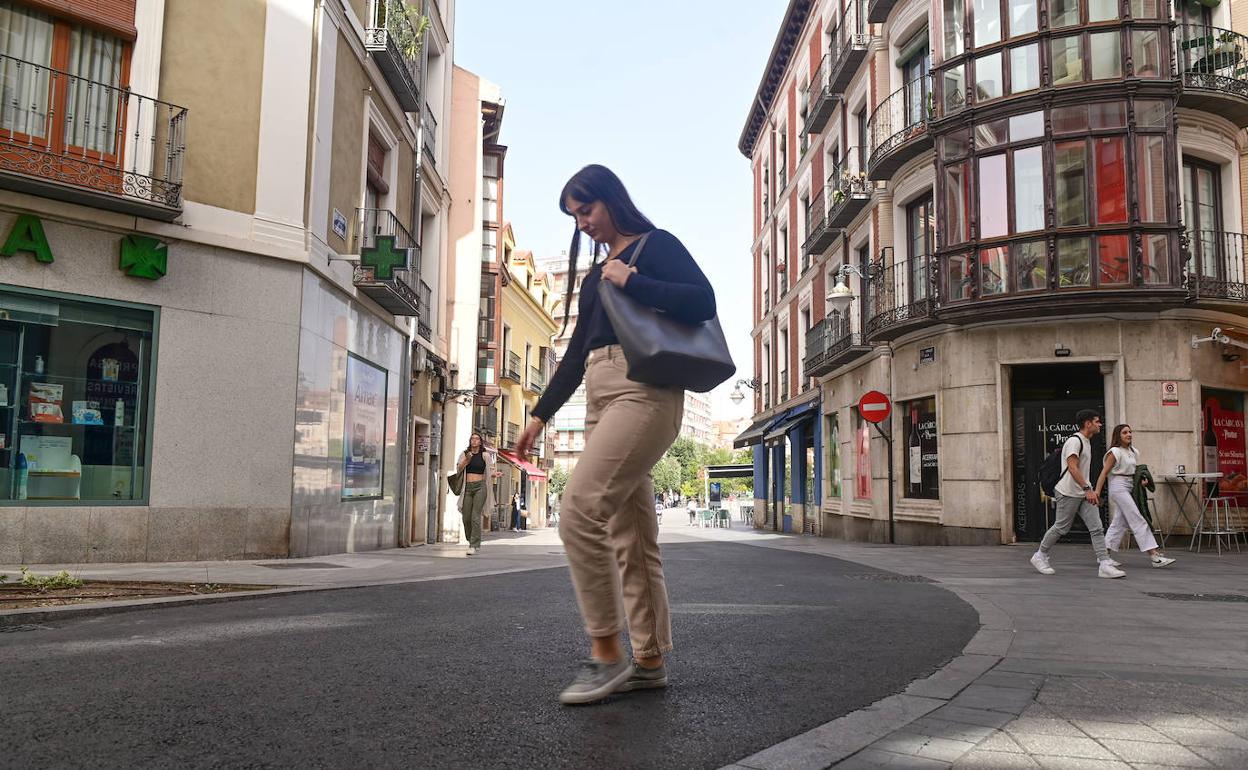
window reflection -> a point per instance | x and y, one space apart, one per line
1063 13
958 277
993 201
1111 180
1067 60
954 27
1073 263
1150 183
1147 54
1070 174
1106 55
1113 260
1030 261
953 88
987 20
1028 126
1028 189
993 267
1156 263
1024 68
957 202
988 81
1102 10
1022 17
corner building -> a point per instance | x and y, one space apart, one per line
1038 207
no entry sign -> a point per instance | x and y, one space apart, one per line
874 406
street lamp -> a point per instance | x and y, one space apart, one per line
841 296
736 395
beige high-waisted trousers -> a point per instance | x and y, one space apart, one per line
608 523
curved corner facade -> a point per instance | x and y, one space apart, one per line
1041 207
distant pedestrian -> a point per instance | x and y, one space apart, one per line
1120 462
692 507
1075 496
515 513
610 530
472 461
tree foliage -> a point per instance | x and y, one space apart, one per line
667 475
558 480
692 458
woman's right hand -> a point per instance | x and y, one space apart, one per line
529 436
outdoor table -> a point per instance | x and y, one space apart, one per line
1191 483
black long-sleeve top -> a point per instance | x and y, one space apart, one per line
667 278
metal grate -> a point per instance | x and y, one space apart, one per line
1200 597
304 565
887 577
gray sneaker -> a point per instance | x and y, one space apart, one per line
645 679
595 681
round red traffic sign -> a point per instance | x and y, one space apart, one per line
874 406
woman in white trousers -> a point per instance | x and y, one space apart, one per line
1119 469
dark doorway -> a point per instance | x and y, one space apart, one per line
1044 401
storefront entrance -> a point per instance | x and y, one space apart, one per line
1044 401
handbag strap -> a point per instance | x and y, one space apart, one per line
641 244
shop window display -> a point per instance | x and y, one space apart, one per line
75 378
922 459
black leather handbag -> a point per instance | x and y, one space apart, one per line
660 350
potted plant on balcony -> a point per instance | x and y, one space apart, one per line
408 26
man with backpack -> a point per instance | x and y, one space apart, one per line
1073 493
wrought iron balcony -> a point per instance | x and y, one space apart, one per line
512 435
819 236
822 99
1213 64
902 296
848 46
1215 266
898 128
426 307
878 10
390 38
73 139
389 262
537 381
512 370
429 133
829 345
782 394
851 191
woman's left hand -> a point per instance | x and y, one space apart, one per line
617 272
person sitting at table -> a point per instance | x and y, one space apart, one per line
1119 468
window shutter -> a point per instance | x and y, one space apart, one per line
113 16
377 165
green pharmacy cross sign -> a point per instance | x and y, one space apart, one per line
143 257
383 258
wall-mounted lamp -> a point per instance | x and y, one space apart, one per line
736 395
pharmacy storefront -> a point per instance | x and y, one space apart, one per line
161 400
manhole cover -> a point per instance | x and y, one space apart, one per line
304 565
1201 597
888 577
24 627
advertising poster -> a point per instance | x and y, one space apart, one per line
862 475
1223 439
364 429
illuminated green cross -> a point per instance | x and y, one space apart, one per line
383 258
144 257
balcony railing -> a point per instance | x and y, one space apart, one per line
512 370
485 330
391 39
1215 266
512 435
537 381
429 133
898 127
66 137
902 294
851 190
783 394
398 256
1213 63
818 235
830 344
426 308
847 46
822 98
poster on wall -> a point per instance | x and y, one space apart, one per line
862 474
1222 439
364 430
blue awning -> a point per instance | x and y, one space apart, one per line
754 434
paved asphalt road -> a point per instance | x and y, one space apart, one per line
464 673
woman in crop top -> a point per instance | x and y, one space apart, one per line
608 504
472 501
1119 468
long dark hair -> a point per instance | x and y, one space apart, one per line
468 451
590 184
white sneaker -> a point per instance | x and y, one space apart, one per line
472 551
1162 561
1108 570
1113 561
1041 562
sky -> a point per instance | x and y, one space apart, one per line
656 90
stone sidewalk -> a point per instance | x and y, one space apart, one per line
1067 671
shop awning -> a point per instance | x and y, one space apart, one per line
792 419
524 465
754 434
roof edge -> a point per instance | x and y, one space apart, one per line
764 96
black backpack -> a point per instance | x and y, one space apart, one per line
1053 468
